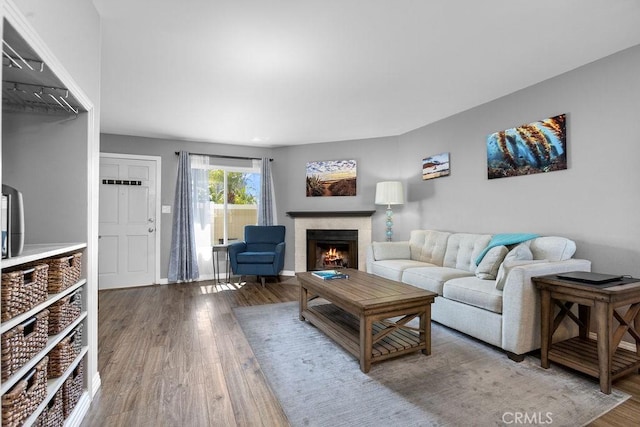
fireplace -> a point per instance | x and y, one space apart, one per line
331 220
330 249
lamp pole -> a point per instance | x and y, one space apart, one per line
389 223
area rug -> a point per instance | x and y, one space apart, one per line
462 382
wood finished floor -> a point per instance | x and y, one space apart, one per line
174 355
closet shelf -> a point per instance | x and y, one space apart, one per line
28 84
35 252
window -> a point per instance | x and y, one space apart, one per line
225 198
234 194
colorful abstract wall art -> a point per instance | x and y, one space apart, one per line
435 166
528 149
331 178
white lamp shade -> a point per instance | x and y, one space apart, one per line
389 193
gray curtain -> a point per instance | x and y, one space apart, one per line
183 260
266 208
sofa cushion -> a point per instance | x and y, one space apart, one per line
428 245
391 250
552 248
488 267
393 268
463 249
431 278
506 239
474 291
513 258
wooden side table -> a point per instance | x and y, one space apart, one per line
599 358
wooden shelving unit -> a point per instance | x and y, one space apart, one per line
32 254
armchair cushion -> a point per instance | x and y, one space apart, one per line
256 257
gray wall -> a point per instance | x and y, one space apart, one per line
595 201
48 163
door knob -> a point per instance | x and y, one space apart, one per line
150 229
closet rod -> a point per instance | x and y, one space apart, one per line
220 156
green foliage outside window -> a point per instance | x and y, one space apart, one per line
237 183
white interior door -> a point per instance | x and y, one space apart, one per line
127 244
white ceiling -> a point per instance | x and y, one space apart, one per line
283 72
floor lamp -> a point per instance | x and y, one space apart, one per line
389 193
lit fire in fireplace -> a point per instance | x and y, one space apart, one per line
333 258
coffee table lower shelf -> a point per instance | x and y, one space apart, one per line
344 328
581 354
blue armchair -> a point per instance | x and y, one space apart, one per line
261 253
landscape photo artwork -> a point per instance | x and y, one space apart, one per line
435 166
528 149
331 178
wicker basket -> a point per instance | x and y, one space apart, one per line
21 343
23 289
65 352
53 414
72 389
20 402
63 312
64 272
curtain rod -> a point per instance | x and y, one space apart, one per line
226 157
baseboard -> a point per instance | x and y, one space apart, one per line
79 411
626 345
165 281
97 382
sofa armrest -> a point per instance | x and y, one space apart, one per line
521 304
368 266
378 251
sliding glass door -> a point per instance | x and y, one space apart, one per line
225 195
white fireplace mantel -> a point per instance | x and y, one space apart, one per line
351 220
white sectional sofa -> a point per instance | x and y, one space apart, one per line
494 301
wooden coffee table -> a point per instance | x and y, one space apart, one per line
368 315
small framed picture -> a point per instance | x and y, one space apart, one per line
435 166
